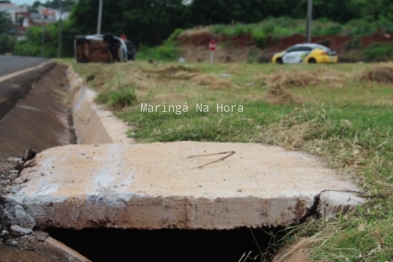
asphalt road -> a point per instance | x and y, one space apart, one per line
11 64
12 89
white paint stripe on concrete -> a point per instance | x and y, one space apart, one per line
28 108
6 77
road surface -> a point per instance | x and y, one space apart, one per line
12 89
11 64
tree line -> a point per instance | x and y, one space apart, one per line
150 22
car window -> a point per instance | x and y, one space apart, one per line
323 48
294 49
290 49
306 48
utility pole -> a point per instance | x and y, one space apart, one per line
309 21
60 29
28 42
99 17
43 36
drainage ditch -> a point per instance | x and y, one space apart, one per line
103 244
109 244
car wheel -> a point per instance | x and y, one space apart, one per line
312 61
279 60
132 55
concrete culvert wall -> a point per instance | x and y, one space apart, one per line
39 117
94 124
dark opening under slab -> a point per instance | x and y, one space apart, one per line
104 244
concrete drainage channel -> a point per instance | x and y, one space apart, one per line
181 201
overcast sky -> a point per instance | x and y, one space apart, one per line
21 2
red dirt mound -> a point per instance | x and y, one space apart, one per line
202 37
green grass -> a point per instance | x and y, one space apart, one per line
345 121
117 99
277 28
166 52
201 126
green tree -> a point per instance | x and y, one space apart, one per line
147 21
32 45
6 25
202 12
150 22
7 41
55 4
36 4
386 9
7 44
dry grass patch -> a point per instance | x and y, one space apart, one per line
196 31
380 74
279 96
172 72
302 79
212 81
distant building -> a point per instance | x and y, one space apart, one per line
13 9
46 16
22 19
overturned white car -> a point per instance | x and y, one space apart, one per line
103 48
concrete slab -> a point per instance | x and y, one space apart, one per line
154 186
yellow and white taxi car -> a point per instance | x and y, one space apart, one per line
305 53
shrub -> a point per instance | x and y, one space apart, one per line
259 38
117 99
268 29
378 52
354 43
333 30
175 34
165 52
360 27
218 29
241 29
7 43
233 30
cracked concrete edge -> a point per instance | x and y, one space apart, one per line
8 76
327 204
93 124
331 203
118 213
191 215
71 255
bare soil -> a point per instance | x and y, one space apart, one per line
30 250
194 47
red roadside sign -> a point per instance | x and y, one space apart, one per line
212 45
